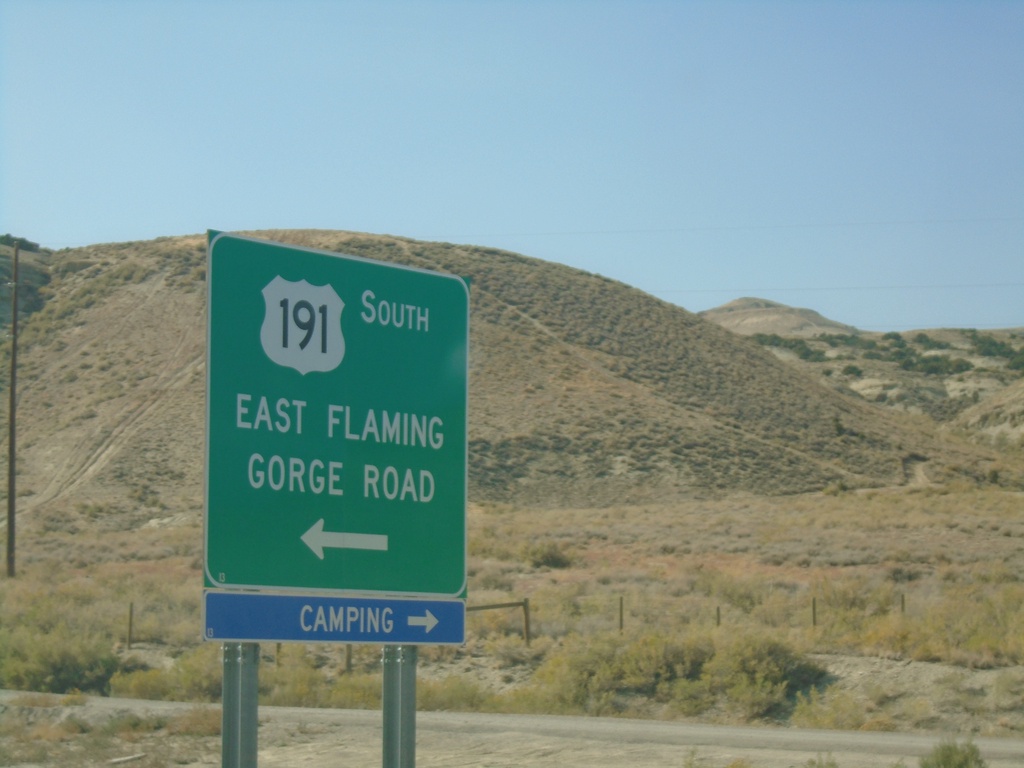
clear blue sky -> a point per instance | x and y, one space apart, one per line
864 159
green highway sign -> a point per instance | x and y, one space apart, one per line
336 423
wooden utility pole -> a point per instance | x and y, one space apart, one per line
11 505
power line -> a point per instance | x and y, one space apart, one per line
758 227
842 288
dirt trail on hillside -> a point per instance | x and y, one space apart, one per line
139 327
93 459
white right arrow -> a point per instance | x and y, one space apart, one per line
429 621
317 539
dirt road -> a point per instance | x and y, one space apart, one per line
454 740
322 738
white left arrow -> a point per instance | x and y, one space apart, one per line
429 621
317 539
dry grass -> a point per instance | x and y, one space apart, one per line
47 733
926 575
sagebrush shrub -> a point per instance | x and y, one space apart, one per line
58 662
951 754
758 674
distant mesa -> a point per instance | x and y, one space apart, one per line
748 316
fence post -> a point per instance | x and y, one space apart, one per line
814 611
622 601
131 617
524 604
718 615
903 602
526 620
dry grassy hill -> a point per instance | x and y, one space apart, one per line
584 392
34 275
749 316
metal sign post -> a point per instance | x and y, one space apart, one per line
230 705
399 705
240 705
